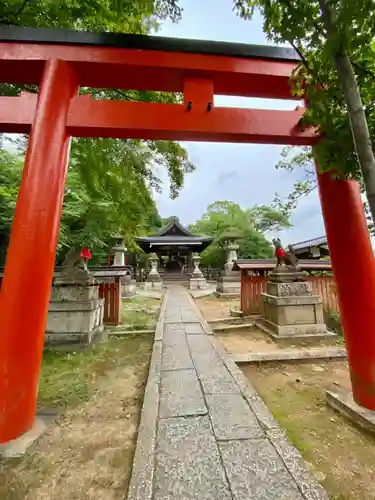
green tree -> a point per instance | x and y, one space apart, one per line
96 15
223 218
109 181
10 174
336 45
301 162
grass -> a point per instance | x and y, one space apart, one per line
140 313
88 451
67 379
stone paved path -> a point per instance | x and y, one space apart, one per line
205 434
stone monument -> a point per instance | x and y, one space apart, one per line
128 285
229 285
289 309
197 280
153 281
119 251
75 314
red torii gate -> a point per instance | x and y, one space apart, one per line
61 62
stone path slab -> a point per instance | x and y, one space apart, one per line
205 434
181 395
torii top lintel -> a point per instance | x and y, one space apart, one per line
198 69
142 62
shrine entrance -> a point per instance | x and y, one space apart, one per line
174 245
61 62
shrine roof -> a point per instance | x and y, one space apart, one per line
265 264
174 233
59 36
322 240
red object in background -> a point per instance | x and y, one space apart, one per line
280 252
86 254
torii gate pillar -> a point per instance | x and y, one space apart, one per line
32 250
353 265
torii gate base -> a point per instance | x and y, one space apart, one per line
198 69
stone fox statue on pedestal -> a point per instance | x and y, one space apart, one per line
285 258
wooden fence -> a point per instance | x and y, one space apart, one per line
111 293
253 286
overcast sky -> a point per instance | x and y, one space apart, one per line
243 173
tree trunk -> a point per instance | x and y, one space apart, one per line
357 117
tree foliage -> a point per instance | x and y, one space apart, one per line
110 181
133 16
336 45
224 218
301 161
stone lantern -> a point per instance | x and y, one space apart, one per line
153 281
197 280
229 239
197 273
229 284
119 250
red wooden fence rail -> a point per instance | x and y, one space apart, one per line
253 286
111 293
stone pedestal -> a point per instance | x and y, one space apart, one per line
153 284
75 314
229 286
128 287
197 283
289 308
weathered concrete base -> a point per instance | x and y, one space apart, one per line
233 328
296 337
153 285
18 447
72 340
228 286
236 313
289 308
202 293
197 283
291 355
229 320
123 332
227 296
343 402
128 287
75 313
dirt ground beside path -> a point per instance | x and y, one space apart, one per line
341 456
88 452
214 308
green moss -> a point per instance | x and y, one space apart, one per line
68 378
140 312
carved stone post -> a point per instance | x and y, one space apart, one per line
231 248
75 314
153 281
289 308
197 280
229 285
119 250
197 273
